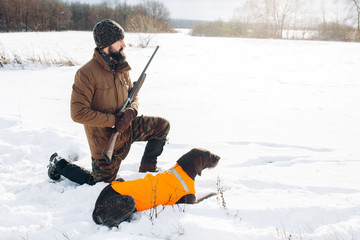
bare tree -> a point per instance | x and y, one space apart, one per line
150 16
248 13
323 11
281 12
252 19
45 15
357 3
355 7
124 12
159 13
354 17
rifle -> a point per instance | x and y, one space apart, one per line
109 147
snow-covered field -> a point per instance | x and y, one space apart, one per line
283 115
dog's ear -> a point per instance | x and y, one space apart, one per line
198 165
202 161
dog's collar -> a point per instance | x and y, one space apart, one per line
173 170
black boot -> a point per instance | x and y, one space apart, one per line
153 149
60 166
52 173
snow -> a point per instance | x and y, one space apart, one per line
283 115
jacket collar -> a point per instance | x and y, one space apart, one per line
110 66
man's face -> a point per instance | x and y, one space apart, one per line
116 51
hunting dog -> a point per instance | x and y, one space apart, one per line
120 199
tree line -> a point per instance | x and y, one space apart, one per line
287 19
56 15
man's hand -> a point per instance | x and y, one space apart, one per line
125 119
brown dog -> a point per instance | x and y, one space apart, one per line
119 200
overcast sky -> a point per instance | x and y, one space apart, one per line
209 9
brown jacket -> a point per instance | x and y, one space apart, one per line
98 93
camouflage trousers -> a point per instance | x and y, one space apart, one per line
144 128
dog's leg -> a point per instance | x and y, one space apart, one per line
191 199
188 199
205 197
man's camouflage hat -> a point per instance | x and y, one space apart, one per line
107 32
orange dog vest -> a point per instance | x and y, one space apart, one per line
164 188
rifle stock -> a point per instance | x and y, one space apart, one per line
110 145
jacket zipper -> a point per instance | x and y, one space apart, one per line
116 89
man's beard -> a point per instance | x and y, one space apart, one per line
119 56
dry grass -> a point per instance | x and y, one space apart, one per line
220 193
14 59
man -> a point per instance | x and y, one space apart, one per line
100 89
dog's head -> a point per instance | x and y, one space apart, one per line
197 160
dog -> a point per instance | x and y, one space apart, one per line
120 199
